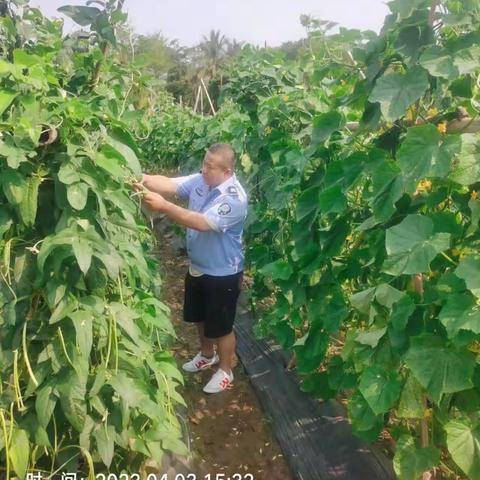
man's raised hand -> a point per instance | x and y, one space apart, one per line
154 201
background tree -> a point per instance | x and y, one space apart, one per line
212 53
158 52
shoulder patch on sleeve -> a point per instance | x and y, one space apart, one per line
224 209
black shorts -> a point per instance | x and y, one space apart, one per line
212 300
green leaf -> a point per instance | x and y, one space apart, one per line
15 156
311 351
371 337
396 92
307 203
104 437
65 237
410 462
411 403
112 261
467 60
25 59
279 270
387 187
125 318
474 206
175 446
332 200
365 423
317 385
469 270
439 368
83 253
128 155
29 204
387 295
380 388
411 245
68 174
363 300
384 294
72 388
128 389
67 305
404 8
439 63
6 221
36 432
45 404
463 443
111 163
120 134
82 322
156 452
462 87
401 312
6 98
466 165
20 452
14 186
461 312
328 310
169 370
102 25
448 284
84 16
325 124
426 153
77 194
285 334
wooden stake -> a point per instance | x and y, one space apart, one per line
197 100
208 96
354 63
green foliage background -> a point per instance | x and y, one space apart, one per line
87 379
363 231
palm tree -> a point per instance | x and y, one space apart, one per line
234 47
212 50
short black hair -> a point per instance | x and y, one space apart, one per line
226 151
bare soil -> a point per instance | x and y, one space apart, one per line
229 431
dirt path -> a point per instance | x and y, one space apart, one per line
229 431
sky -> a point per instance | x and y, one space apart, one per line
253 21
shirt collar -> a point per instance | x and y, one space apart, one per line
222 188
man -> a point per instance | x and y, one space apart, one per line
214 219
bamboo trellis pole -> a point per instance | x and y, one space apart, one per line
208 96
197 100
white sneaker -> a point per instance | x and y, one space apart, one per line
200 362
219 382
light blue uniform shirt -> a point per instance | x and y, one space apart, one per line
218 252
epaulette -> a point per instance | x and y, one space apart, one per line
232 190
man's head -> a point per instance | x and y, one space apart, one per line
218 164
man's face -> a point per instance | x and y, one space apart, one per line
214 171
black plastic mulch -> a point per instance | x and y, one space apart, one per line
315 437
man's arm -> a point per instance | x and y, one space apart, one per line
182 216
159 184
